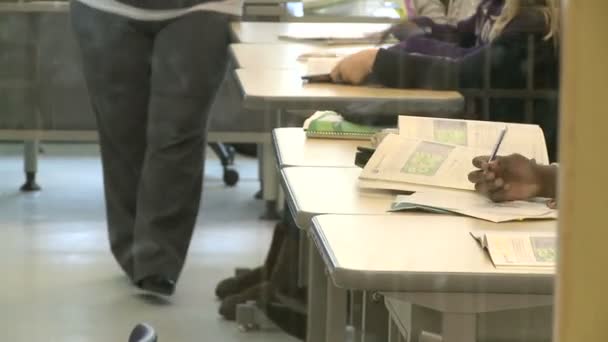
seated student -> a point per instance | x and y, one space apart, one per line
447 51
514 177
445 57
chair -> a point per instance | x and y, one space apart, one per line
143 333
539 101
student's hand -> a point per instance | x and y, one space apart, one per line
507 178
354 68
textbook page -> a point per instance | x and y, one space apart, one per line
520 249
401 160
525 139
475 205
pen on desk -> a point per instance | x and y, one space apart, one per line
501 137
321 78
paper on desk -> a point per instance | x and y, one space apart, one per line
519 249
321 65
525 139
475 205
401 160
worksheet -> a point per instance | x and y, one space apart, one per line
519 249
472 204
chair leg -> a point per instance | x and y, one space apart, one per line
226 156
30 165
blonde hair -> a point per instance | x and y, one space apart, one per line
550 10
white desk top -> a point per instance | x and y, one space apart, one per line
294 149
420 253
283 89
312 191
268 32
285 56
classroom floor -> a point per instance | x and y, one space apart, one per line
60 282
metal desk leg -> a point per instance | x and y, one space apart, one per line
375 318
303 259
280 201
270 185
459 327
394 335
30 165
317 296
336 313
356 314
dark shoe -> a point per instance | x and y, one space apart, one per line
234 285
157 284
258 293
290 321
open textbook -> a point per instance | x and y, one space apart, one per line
472 204
438 152
519 249
525 139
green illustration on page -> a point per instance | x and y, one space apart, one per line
450 132
544 248
427 159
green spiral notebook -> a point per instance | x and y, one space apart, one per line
328 124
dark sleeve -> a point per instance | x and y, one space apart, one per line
431 47
411 70
440 65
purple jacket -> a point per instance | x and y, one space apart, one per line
450 57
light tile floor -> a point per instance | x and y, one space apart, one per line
60 283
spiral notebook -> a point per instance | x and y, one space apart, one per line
331 125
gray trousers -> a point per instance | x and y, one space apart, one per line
151 85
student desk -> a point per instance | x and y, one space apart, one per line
293 148
430 260
269 32
273 92
312 191
282 90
